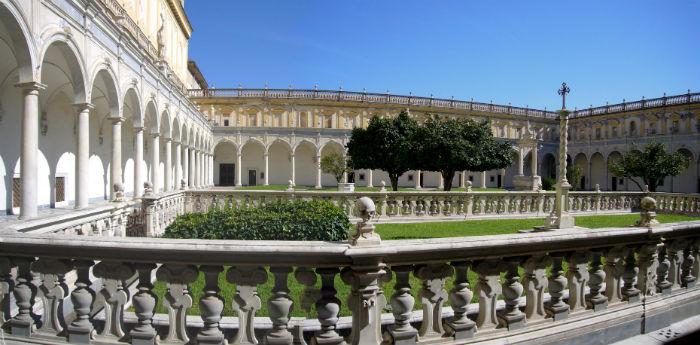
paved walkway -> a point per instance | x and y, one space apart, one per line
682 332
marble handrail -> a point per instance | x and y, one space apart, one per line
610 274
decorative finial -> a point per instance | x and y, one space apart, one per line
563 91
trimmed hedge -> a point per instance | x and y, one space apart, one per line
282 220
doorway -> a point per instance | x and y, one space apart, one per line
614 183
252 177
227 174
499 181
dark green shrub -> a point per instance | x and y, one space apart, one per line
282 220
548 183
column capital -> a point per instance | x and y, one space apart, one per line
83 106
167 139
155 135
31 86
117 119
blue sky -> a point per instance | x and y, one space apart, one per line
500 51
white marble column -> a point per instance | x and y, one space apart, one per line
197 169
293 178
29 148
82 156
441 181
483 179
416 179
266 180
191 176
155 162
318 172
238 168
521 161
186 165
138 162
168 170
462 176
534 164
115 166
178 166
370 178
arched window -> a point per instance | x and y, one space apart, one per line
633 128
303 119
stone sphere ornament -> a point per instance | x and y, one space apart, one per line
364 230
648 214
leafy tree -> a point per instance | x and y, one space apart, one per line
651 165
334 163
452 145
573 175
386 144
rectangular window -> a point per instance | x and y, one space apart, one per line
598 133
303 120
226 123
410 177
60 189
491 178
471 178
362 177
16 192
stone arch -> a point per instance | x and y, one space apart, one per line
279 162
598 171
151 123
613 182
105 81
71 64
305 153
548 166
687 180
327 148
316 149
21 42
252 162
225 159
581 161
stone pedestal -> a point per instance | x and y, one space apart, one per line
346 187
529 183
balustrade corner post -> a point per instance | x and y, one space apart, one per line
364 300
433 296
596 299
246 301
511 317
535 283
145 305
630 292
578 277
23 323
280 306
148 205
113 296
461 327
487 288
211 304
674 251
81 330
7 285
614 269
557 309
647 260
177 299
402 302
327 308
52 292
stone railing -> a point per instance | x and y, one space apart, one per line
600 285
427 205
665 101
110 219
365 97
161 210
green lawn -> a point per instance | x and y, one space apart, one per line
404 231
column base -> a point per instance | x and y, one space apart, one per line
21 328
79 335
409 337
279 340
211 340
461 331
144 338
557 313
598 304
512 322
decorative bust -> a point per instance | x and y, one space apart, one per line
468 186
118 192
648 214
364 231
147 188
383 188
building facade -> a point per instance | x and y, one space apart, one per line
98 100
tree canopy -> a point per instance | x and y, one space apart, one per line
334 164
651 165
452 145
386 144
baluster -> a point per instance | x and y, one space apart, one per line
211 304
432 295
469 206
401 332
364 301
596 300
80 330
52 291
246 301
614 269
7 285
663 286
280 306
696 259
461 327
327 308
674 250
577 276
535 282
687 277
178 298
557 309
630 292
25 292
145 305
488 289
511 316
113 296
648 263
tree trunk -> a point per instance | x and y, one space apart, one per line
652 185
394 178
447 177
